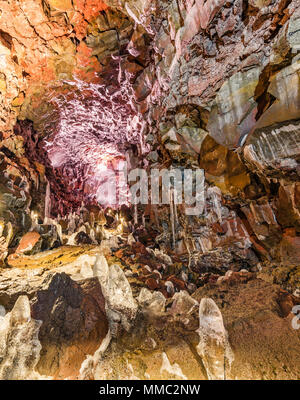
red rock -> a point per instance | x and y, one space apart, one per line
87 65
139 248
259 248
145 271
164 292
217 228
232 278
207 10
289 232
90 8
119 253
197 85
213 279
178 283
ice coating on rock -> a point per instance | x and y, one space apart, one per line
154 302
121 308
101 271
213 347
20 314
19 344
183 303
120 294
86 270
215 195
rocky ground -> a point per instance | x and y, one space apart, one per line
90 316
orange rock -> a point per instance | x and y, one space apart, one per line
119 253
87 65
90 8
28 241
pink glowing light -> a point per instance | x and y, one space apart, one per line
96 127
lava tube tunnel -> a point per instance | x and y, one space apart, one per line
149 191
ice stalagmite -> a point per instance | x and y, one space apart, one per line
101 271
213 346
2 312
19 344
120 304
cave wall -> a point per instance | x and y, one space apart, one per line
217 83
223 94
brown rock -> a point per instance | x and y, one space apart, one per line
178 283
152 284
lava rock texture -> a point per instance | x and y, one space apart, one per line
149 292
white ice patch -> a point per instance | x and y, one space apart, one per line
171 369
120 304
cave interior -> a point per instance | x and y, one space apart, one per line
96 283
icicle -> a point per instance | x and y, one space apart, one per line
175 213
217 207
48 201
34 220
172 217
135 214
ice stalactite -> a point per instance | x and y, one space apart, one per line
19 344
213 347
135 214
48 201
2 312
